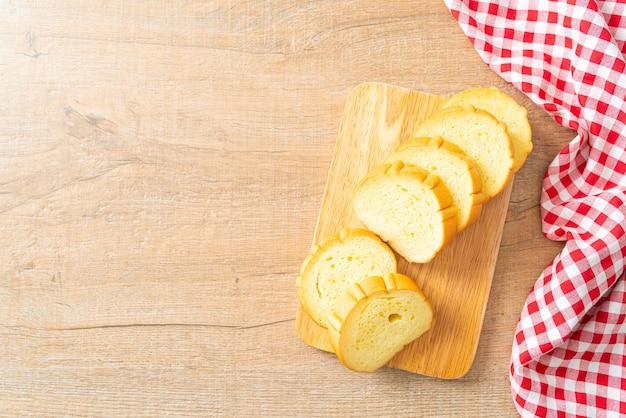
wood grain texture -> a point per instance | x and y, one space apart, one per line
377 119
162 167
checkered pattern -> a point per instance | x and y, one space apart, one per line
569 351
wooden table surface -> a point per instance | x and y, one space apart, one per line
162 165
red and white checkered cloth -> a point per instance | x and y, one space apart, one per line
569 351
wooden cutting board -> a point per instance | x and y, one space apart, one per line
377 118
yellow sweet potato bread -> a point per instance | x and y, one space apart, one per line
375 318
481 136
504 108
339 261
409 208
457 171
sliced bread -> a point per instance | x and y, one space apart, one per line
339 261
408 207
453 166
375 318
506 110
481 136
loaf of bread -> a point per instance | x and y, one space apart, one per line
456 170
375 318
504 108
339 261
479 135
426 191
408 207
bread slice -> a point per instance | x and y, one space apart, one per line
481 136
339 261
506 110
375 318
453 166
408 207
